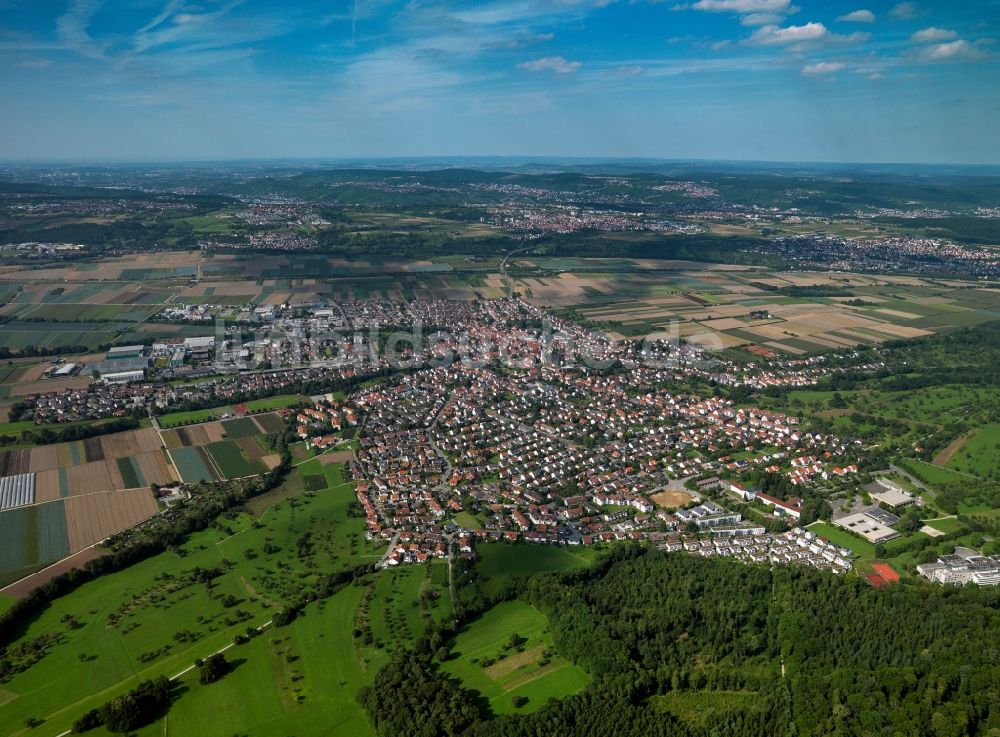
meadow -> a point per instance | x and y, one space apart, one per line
485 658
159 615
499 562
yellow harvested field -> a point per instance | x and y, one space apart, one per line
93 517
44 457
47 486
214 432
783 347
726 323
22 388
898 313
901 331
154 468
130 442
88 478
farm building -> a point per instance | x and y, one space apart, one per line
123 377
125 351
67 369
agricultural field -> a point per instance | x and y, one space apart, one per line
508 653
155 618
85 491
215 450
711 305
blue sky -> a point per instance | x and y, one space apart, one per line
717 79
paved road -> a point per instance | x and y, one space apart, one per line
392 546
508 284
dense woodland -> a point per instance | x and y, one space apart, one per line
815 654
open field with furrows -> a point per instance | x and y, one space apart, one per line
194 465
507 653
37 535
301 679
713 308
227 449
19 335
93 517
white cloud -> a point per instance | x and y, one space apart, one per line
556 64
774 36
761 19
743 6
904 11
933 34
823 68
955 51
858 16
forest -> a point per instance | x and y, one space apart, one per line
806 653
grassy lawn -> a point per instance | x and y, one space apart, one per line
278 402
531 670
499 561
176 419
981 453
863 549
951 524
468 521
301 680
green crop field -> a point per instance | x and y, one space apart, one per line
279 402
242 427
31 537
176 419
484 661
131 474
193 464
270 421
229 458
